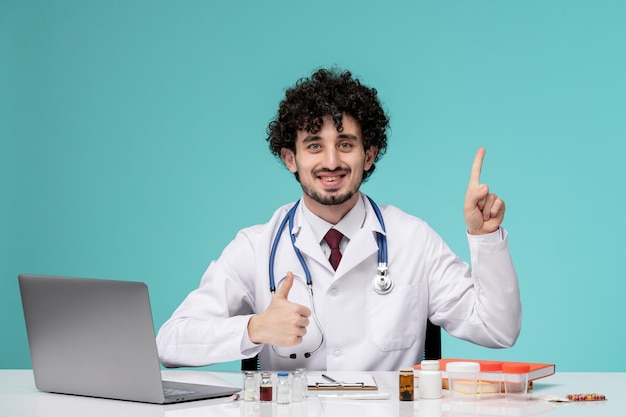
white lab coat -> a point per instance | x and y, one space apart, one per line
363 330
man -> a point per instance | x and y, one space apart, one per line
359 311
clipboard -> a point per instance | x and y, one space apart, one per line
339 382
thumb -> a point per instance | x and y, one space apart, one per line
285 287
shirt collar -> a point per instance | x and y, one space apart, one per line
349 225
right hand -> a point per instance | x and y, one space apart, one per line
284 323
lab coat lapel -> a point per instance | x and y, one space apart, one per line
307 243
362 246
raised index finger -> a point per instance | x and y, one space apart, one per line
477 166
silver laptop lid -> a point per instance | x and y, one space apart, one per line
91 337
96 338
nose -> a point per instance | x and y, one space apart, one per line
331 158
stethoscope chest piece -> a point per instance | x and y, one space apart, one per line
382 283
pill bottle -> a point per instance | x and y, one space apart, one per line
283 391
463 379
249 386
406 384
490 380
265 389
429 380
515 380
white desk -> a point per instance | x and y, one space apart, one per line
19 398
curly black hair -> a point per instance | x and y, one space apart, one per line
329 92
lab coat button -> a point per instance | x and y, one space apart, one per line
334 291
337 352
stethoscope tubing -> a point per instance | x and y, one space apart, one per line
289 219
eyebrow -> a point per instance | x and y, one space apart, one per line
313 138
348 136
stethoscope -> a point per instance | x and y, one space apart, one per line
382 283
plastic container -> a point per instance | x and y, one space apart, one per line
406 387
463 379
490 380
515 380
283 390
429 380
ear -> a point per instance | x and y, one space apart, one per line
289 158
370 157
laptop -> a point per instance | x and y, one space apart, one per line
95 337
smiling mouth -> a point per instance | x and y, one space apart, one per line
331 179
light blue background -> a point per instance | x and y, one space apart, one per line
132 142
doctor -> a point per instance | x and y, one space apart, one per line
297 298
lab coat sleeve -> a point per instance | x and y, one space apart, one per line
484 305
210 326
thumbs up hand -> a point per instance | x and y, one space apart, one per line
283 323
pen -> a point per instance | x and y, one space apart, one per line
326 377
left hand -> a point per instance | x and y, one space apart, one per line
483 211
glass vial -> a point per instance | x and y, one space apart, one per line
249 386
283 392
265 389
297 393
406 386
429 380
305 382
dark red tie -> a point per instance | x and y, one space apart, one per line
333 237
